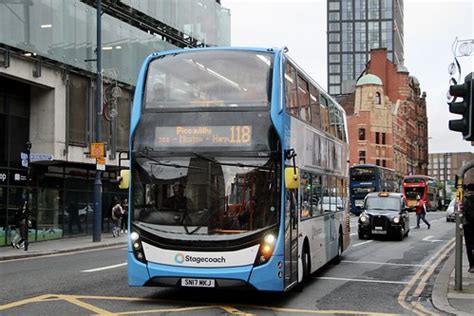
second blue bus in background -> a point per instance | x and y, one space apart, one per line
366 178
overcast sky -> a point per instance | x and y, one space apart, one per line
430 27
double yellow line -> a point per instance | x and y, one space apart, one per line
418 282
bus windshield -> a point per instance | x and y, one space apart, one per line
209 79
199 197
412 192
362 174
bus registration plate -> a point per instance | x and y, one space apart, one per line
197 282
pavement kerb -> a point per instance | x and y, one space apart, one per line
440 289
25 254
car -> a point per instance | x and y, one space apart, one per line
384 214
450 214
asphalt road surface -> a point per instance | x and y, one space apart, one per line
375 276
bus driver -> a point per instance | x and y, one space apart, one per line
178 201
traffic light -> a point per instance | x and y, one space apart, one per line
464 107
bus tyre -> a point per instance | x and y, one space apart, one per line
338 257
306 265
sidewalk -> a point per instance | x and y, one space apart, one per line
61 245
444 297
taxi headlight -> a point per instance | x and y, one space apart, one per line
363 218
396 220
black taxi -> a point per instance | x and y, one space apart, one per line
384 214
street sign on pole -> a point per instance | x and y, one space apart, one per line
41 157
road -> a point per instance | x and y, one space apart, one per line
375 276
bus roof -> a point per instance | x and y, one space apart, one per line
366 165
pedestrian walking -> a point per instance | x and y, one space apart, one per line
117 214
468 211
21 223
124 224
421 212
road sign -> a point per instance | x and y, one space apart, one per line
41 157
97 150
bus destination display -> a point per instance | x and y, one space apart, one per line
203 136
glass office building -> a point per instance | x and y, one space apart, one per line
354 27
47 93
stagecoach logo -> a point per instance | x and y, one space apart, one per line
179 258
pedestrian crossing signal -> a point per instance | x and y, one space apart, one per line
464 108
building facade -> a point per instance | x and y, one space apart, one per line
47 91
387 118
354 28
444 167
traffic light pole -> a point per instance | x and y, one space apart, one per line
98 105
459 226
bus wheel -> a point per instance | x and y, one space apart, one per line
338 257
306 265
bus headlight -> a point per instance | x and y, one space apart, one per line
134 236
266 249
137 247
396 220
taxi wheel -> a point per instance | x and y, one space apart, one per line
361 236
401 234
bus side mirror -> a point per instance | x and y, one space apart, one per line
124 179
292 178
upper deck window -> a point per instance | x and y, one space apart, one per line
209 79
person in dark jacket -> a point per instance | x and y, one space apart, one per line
468 211
21 220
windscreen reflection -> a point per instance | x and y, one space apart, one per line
205 198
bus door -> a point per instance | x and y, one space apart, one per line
291 237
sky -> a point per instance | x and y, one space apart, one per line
430 27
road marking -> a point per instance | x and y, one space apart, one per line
361 280
77 300
431 240
362 243
384 263
432 262
105 268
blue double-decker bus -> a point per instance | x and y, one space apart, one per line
367 178
237 156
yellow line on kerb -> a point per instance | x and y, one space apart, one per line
428 267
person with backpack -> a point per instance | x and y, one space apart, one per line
468 226
117 214
421 212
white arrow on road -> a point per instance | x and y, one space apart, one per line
431 240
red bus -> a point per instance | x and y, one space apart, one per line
423 186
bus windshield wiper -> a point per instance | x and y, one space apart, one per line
144 154
238 164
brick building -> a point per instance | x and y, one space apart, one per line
444 166
387 119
